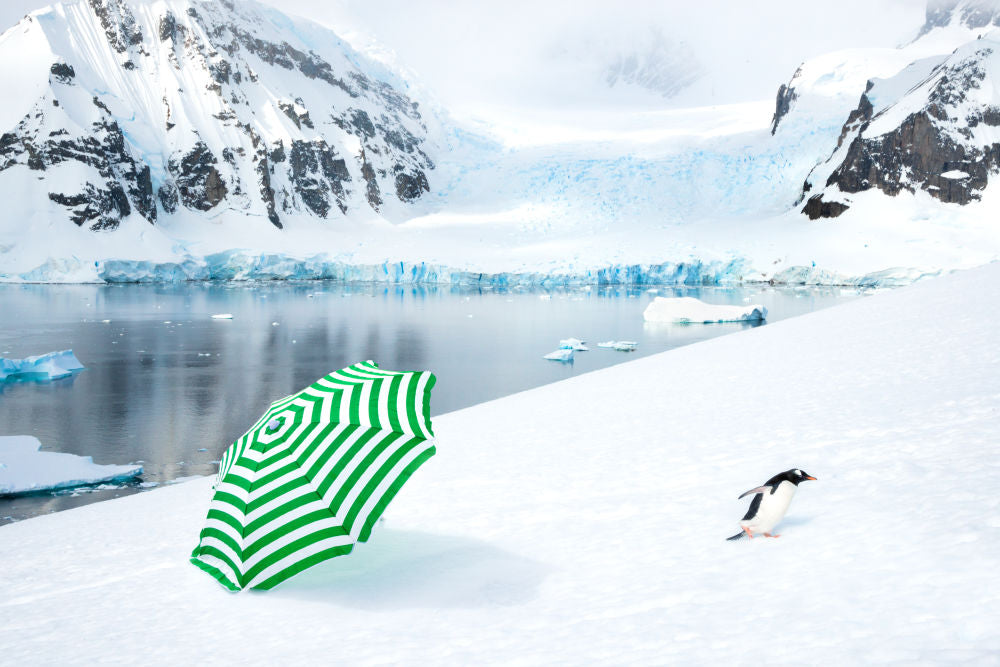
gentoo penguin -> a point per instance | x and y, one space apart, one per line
770 503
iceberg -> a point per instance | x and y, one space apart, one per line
573 344
25 469
562 354
688 310
51 366
620 345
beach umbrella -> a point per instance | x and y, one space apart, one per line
314 474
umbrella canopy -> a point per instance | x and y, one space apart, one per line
314 474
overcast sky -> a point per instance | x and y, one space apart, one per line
548 54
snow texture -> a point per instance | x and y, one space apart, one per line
594 532
50 366
573 344
689 310
25 469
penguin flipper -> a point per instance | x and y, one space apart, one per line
736 536
759 489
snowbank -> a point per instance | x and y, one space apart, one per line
688 310
25 469
584 522
50 366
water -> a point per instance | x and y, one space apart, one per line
171 387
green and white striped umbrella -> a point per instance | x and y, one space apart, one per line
314 474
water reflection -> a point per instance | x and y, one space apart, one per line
164 379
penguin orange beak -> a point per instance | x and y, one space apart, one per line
810 477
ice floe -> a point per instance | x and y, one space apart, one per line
688 310
50 366
25 469
222 316
620 345
573 344
562 354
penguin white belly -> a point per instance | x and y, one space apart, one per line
772 509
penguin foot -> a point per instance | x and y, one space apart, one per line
770 535
747 531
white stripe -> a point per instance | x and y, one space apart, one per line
228 486
383 404
369 474
323 446
383 487
222 566
290 515
419 403
302 531
300 555
224 527
224 548
366 399
351 466
404 414
327 468
281 500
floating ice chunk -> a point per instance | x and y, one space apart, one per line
562 354
620 345
25 469
51 366
688 310
274 324
222 316
573 344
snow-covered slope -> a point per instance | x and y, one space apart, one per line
546 532
161 111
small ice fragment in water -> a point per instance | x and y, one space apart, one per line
620 345
203 449
573 344
106 321
222 316
274 324
561 354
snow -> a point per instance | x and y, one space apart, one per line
25 469
955 174
562 354
49 366
689 310
597 536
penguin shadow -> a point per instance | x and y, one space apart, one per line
791 522
404 569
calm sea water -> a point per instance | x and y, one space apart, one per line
169 386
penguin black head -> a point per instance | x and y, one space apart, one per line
795 476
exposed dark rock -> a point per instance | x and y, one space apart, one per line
371 182
101 208
783 103
975 15
62 72
410 186
317 171
199 183
299 119
168 27
267 192
361 121
220 71
119 23
168 197
817 208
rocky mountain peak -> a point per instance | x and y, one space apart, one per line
206 108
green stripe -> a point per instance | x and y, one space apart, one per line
360 470
303 564
376 479
285 529
391 492
290 549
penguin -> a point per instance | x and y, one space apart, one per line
770 502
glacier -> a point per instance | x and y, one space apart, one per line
50 366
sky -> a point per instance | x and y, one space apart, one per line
477 57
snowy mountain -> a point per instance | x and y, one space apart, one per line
931 127
128 109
